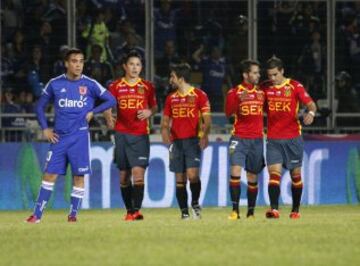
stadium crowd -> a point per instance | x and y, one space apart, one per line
212 37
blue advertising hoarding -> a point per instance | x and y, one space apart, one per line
331 175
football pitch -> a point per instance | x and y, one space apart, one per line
326 235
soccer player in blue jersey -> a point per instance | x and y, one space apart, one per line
73 95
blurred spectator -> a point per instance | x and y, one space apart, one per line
169 58
12 17
45 39
130 44
237 48
163 66
213 34
7 68
59 65
348 99
18 55
118 37
97 33
10 107
165 25
56 16
354 48
38 71
312 64
348 96
95 68
215 74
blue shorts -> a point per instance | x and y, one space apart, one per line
287 152
131 151
247 153
184 154
73 149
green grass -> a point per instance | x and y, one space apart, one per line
327 235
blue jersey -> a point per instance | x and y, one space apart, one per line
72 99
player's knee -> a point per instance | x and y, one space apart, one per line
274 178
79 181
194 178
49 177
251 177
296 180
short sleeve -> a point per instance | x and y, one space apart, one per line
167 106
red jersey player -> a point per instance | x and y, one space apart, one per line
181 127
245 102
284 142
136 102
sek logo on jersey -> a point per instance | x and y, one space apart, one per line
73 103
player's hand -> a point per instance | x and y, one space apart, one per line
143 114
89 116
308 119
50 135
204 142
165 137
110 123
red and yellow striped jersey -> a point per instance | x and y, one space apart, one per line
246 102
282 106
185 112
130 99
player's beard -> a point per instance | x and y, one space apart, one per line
174 86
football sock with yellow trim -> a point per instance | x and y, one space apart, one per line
181 196
235 191
296 191
126 193
138 195
252 192
274 190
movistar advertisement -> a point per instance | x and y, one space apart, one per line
331 175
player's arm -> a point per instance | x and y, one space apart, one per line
310 114
165 129
40 113
108 101
197 54
109 118
204 140
230 104
146 113
306 99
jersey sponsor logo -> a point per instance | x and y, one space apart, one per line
183 112
216 74
191 99
251 110
279 106
82 90
131 104
83 169
243 95
287 91
68 103
260 96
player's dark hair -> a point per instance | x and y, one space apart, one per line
72 51
132 53
182 70
247 64
274 62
